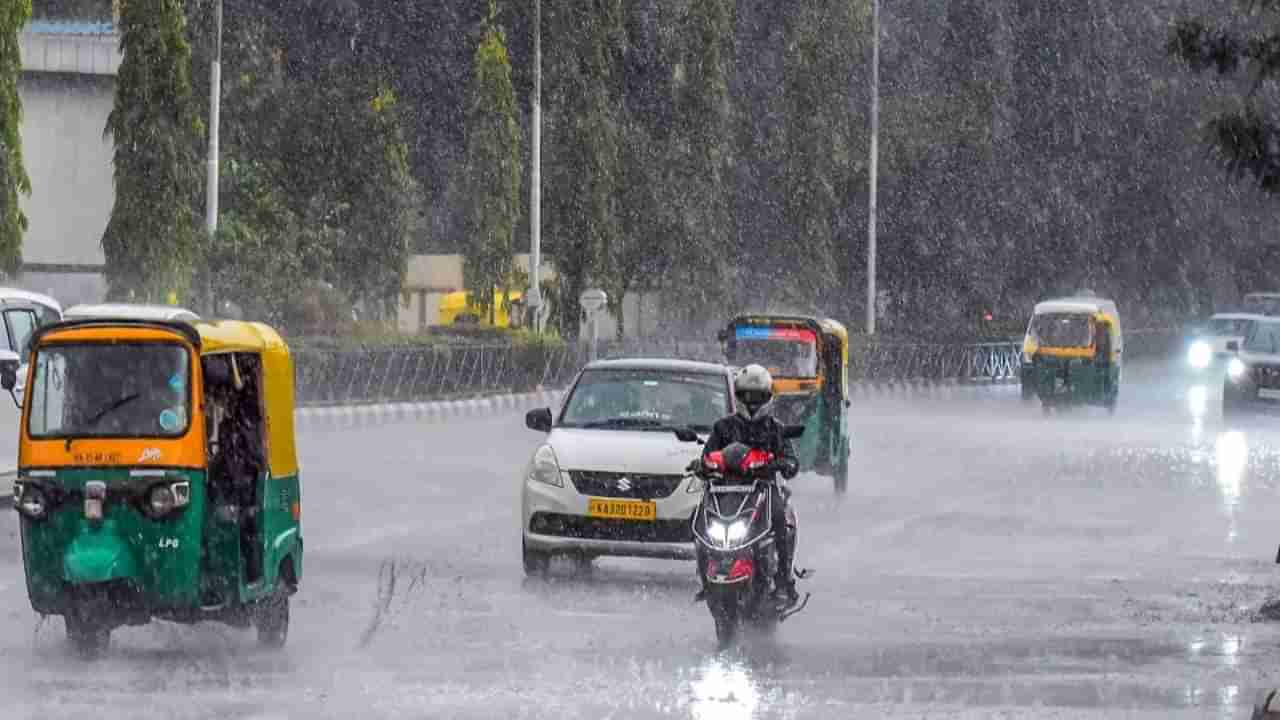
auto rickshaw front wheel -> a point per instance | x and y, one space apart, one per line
89 637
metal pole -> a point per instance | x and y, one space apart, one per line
215 102
534 301
875 157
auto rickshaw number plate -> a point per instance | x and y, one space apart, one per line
640 510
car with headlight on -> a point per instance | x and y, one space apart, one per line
1208 346
610 478
1253 372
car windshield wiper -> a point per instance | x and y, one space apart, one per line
625 423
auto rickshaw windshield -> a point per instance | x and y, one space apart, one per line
783 358
1063 330
110 390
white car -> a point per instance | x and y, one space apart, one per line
1209 347
610 478
23 313
1253 372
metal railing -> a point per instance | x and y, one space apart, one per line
412 374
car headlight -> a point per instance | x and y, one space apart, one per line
545 467
1236 369
1200 355
32 501
695 484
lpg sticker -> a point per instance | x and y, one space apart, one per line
150 455
168 543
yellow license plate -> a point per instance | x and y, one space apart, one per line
643 510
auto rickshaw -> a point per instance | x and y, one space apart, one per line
809 360
157 476
1073 353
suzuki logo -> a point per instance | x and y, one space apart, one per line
624 484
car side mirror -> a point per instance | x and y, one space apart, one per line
1233 346
791 432
687 435
539 419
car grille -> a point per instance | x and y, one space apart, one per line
1267 376
586 528
624 485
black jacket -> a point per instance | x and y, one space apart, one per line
765 434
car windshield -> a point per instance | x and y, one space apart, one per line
646 399
782 358
1063 330
1227 327
1264 339
110 390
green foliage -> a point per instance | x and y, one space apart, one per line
150 242
493 171
1246 137
13 174
583 153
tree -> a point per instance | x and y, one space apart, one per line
149 242
493 169
13 174
583 152
1246 136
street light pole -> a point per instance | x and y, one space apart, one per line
215 102
534 301
874 166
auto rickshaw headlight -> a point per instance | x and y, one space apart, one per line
164 498
33 503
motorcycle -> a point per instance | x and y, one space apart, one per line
737 555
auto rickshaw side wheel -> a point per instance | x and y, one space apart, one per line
272 620
536 562
271 616
841 477
89 637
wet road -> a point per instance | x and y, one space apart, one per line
987 561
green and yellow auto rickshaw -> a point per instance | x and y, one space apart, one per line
157 476
1073 353
809 360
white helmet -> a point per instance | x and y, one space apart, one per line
753 387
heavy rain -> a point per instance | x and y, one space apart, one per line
708 359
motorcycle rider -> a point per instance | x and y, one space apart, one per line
754 426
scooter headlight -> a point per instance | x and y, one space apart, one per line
1200 355
1236 369
737 532
32 501
718 532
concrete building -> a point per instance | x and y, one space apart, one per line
67 88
